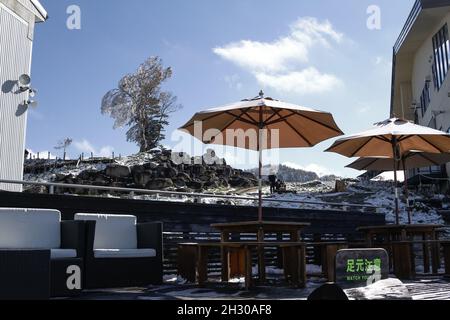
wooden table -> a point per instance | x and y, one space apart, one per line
193 260
260 229
395 237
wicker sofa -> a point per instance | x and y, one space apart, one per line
41 256
121 252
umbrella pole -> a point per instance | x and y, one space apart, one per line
260 211
408 209
260 157
397 213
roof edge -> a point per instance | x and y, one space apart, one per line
40 9
394 61
413 15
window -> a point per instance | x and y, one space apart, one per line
425 98
441 50
432 124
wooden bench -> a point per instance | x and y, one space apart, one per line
294 263
403 257
446 248
329 251
193 261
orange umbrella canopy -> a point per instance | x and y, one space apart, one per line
393 139
379 141
286 125
412 160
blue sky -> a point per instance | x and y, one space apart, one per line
318 54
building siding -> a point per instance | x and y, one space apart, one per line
423 68
437 114
15 59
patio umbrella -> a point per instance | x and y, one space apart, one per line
274 124
393 138
411 160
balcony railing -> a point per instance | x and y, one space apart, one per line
51 187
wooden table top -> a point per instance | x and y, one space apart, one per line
252 226
398 228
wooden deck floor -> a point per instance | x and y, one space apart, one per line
425 289
429 289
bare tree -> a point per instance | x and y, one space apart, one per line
139 103
63 145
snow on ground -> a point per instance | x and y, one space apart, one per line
384 200
134 160
66 170
389 289
389 176
315 195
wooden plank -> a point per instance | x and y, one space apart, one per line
302 267
402 261
329 259
238 258
426 254
225 258
261 257
446 251
187 263
202 267
248 268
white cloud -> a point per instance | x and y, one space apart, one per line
234 82
86 147
106 151
384 63
276 64
277 55
313 167
35 114
364 109
309 80
261 56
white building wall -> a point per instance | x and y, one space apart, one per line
15 59
440 100
438 112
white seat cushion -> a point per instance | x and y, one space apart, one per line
63 254
124 253
112 231
30 229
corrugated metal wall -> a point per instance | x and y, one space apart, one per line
15 59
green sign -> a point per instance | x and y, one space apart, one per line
358 266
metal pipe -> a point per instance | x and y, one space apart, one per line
260 160
397 210
405 173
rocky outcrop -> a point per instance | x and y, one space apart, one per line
117 171
288 174
162 170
